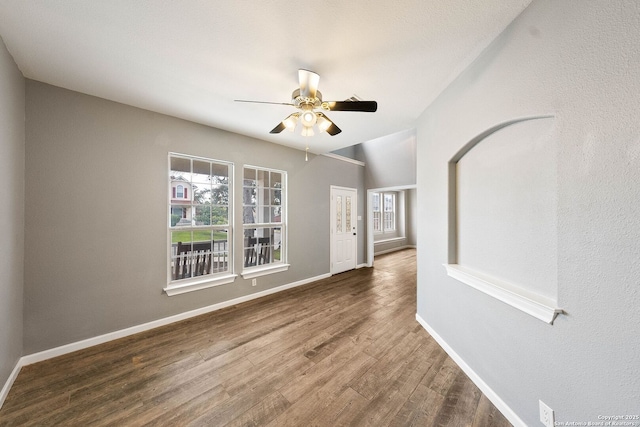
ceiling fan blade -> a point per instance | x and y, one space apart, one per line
278 128
264 102
362 106
308 83
325 124
333 130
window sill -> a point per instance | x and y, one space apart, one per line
252 272
200 283
535 305
389 240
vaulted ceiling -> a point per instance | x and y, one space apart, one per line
192 58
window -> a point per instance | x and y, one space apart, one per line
389 212
263 221
200 230
384 217
377 221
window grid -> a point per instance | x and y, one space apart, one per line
383 206
263 214
200 208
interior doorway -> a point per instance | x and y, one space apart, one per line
403 216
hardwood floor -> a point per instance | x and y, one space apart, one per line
346 350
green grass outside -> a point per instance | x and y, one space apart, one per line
198 236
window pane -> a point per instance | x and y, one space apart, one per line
263 178
388 202
249 215
276 197
181 236
339 214
250 242
219 215
265 215
220 262
375 202
178 164
249 177
347 214
275 214
201 193
180 246
201 172
180 215
377 226
202 215
249 196
276 180
220 173
276 241
201 237
220 195
221 240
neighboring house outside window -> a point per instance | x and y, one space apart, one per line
264 204
200 226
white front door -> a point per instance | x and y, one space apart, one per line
343 229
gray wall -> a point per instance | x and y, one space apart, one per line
390 160
580 61
96 213
411 223
12 131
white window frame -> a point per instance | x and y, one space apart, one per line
249 272
376 208
180 286
391 228
382 220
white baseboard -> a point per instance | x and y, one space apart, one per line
9 383
90 342
399 248
477 380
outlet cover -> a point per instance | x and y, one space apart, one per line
547 417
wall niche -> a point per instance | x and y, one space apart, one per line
502 215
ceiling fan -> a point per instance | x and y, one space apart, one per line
308 100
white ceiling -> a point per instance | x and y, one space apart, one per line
192 58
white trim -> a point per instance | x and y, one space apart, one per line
370 234
535 305
262 271
364 264
90 342
390 240
344 159
477 380
209 282
332 225
12 377
399 248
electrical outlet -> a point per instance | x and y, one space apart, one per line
547 416
254 282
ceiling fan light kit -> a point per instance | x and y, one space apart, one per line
307 98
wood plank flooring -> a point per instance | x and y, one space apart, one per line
344 351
